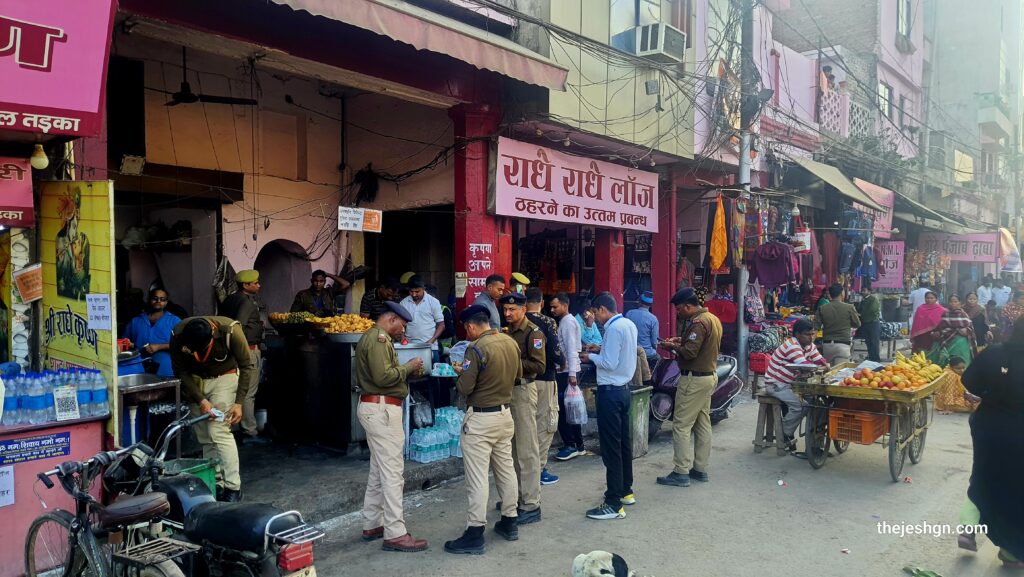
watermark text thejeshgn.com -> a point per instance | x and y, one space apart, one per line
933 529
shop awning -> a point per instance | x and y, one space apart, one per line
16 206
837 179
923 211
944 225
426 30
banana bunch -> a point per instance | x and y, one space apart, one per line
919 364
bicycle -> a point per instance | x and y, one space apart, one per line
123 539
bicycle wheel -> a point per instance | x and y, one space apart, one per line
48 547
816 439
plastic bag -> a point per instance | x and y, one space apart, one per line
457 353
575 406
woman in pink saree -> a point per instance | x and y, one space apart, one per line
926 320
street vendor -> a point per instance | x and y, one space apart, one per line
796 350
211 357
318 299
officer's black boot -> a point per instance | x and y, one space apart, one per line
471 542
507 528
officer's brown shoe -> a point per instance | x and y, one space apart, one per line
405 544
373 534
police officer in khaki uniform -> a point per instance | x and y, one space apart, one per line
243 305
526 444
384 387
211 357
487 378
696 349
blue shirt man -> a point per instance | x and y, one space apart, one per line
150 332
647 326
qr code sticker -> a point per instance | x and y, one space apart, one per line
66 403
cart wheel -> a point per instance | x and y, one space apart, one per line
816 437
899 426
841 446
920 420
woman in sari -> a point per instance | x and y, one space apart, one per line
926 320
954 336
979 319
1011 312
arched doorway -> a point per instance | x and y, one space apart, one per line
282 274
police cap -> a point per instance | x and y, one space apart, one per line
513 299
685 296
398 310
473 311
247 276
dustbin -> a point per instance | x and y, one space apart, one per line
639 417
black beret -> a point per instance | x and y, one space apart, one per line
472 311
513 299
399 310
197 334
685 296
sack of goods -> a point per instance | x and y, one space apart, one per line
575 406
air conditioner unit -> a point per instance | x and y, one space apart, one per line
658 42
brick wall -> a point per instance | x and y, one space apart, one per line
849 23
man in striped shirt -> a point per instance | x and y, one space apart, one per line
798 349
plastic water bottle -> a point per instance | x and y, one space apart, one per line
36 400
20 400
99 394
11 412
414 447
49 383
83 390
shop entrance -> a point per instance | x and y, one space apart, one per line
282 273
418 240
556 258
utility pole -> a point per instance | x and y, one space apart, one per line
748 108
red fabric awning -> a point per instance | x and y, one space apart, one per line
434 32
16 207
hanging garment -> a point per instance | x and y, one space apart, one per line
773 264
738 229
830 257
723 309
868 264
846 252
719 246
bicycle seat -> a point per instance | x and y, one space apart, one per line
239 526
131 509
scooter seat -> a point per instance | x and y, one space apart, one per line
131 509
724 369
238 526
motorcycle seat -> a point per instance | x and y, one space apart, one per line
131 509
238 526
723 370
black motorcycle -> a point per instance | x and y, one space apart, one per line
236 539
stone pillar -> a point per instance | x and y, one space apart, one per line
608 269
483 243
663 262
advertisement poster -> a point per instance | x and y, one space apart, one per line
891 264
77 253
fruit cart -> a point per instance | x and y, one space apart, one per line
839 414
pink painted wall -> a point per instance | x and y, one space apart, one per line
903 71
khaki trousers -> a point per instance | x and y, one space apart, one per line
487 441
525 453
692 417
249 403
547 418
382 504
215 436
836 353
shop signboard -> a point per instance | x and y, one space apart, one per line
34 448
535 182
53 62
16 192
891 264
885 198
77 254
481 263
977 247
360 219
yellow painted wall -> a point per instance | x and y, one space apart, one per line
610 100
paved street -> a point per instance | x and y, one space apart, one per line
742 523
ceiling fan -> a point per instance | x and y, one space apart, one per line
186 96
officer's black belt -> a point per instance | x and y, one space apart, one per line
696 373
489 409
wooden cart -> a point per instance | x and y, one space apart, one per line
838 415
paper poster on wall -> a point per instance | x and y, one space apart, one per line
99 317
34 448
6 486
461 284
78 259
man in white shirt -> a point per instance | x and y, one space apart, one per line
984 291
1001 293
569 335
427 323
917 299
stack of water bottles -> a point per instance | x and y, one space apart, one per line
439 442
28 397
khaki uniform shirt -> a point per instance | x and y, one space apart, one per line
837 321
377 366
245 309
531 343
702 339
490 370
230 352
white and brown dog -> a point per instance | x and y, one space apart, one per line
600 564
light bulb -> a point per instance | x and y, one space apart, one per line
39 160
795 211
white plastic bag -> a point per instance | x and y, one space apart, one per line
575 406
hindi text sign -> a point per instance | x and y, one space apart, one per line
891 264
977 247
